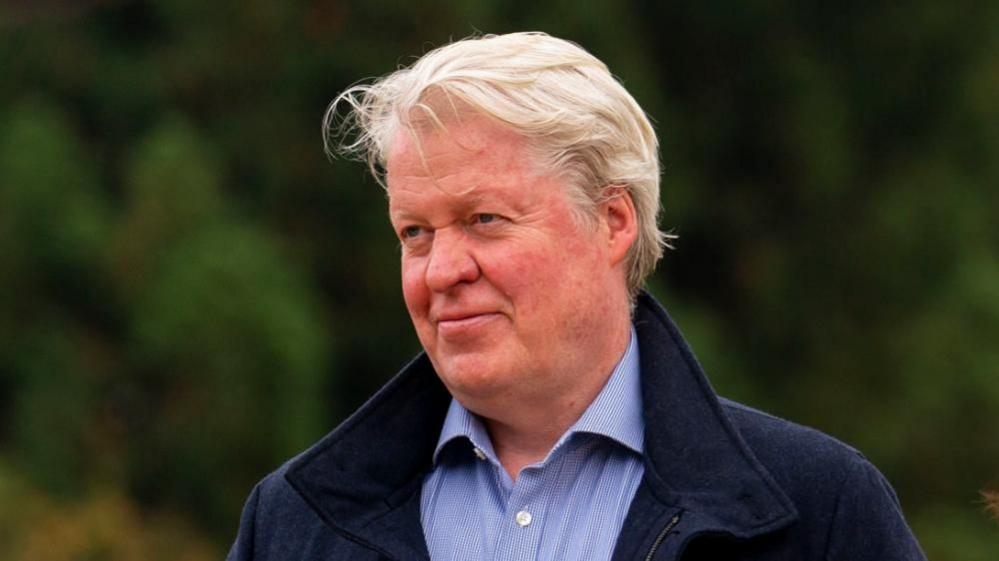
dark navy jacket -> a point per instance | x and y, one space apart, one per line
722 481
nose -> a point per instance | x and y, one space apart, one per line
451 262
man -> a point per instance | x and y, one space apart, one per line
557 413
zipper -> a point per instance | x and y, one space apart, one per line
662 537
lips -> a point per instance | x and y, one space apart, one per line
459 315
463 324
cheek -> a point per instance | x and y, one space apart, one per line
547 265
530 279
414 290
543 281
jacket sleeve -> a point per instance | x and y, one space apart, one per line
868 523
242 548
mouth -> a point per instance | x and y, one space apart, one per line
454 326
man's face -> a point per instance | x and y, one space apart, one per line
506 290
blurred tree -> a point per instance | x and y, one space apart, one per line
106 526
54 220
224 344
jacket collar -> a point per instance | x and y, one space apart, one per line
364 478
695 458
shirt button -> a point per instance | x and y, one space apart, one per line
479 453
523 518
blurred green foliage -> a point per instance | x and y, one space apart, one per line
190 292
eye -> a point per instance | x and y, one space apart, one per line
410 232
485 218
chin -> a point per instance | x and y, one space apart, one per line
472 375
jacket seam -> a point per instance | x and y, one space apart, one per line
835 513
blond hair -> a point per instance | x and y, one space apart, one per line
580 121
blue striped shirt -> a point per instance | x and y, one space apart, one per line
569 506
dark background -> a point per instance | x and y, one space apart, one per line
190 292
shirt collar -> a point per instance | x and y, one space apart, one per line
616 413
462 423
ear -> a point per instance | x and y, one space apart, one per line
617 212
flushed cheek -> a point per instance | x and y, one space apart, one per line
413 272
546 282
417 297
531 273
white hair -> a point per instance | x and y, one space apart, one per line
580 121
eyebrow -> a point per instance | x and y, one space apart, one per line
401 215
468 203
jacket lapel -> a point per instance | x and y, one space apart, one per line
697 464
364 478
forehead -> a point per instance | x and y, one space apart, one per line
469 157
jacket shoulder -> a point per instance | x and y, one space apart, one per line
802 460
768 434
278 524
837 492
272 506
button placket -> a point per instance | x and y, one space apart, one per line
527 495
521 534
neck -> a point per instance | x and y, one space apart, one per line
516 448
525 431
